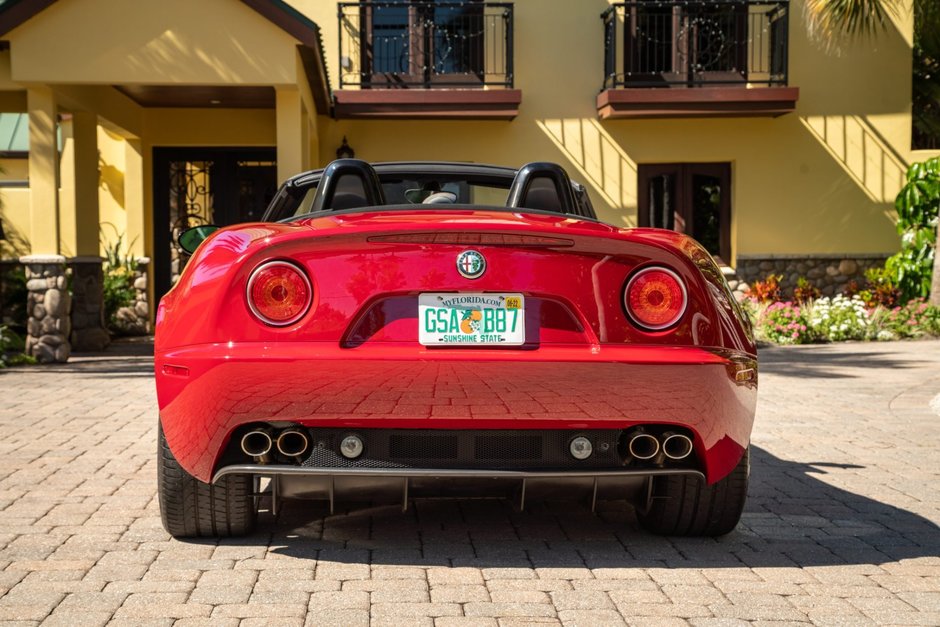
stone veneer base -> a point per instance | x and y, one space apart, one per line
830 273
49 306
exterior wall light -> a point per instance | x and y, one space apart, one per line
345 151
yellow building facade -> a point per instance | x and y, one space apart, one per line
147 116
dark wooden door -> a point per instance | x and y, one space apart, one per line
691 198
193 186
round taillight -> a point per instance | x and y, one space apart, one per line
279 293
655 298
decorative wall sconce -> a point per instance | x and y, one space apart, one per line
345 151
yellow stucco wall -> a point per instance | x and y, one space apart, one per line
111 168
820 180
14 210
171 41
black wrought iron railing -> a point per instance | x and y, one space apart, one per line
692 43
408 43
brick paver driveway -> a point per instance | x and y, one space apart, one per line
840 527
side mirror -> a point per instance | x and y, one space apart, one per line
190 239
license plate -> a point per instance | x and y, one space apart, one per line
467 319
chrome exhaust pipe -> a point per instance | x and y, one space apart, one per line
257 443
643 446
292 442
677 446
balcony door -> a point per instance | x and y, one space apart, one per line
412 43
691 198
681 43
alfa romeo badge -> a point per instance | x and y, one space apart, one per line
471 264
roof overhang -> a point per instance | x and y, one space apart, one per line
306 34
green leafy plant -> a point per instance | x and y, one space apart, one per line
11 349
118 285
917 205
14 295
880 289
805 291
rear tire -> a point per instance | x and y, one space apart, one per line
684 505
190 508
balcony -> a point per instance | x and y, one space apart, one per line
422 59
696 58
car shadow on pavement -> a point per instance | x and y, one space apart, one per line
825 361
793 519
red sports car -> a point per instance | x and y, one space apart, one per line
414 329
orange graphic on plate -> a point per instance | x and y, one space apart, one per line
471 321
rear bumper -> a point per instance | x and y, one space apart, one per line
396 484
211 390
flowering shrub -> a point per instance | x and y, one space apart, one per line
785 323
914 319
840 318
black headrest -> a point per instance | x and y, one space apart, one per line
519 193
372 193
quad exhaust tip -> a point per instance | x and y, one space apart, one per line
257 443
643 446
677 446
292 442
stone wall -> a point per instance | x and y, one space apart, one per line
830 274
135 318
88 324
49 304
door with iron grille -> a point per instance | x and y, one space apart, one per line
193 186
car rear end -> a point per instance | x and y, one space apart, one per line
369 355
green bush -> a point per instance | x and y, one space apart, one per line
11 349
118 286
14 295
917 205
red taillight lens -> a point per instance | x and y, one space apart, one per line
279 293
655 298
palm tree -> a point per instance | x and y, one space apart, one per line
854 19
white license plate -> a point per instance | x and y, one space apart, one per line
467 319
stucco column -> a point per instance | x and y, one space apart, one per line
85 173
134 207
291 130
49 302
43 172
80 220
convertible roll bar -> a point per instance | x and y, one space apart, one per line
530 172
336 170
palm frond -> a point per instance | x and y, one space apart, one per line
829 19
